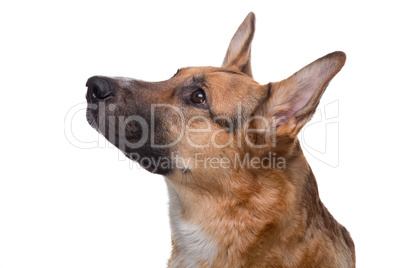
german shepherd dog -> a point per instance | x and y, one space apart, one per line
241 191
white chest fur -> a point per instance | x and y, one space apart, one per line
192 243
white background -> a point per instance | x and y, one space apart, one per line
63 206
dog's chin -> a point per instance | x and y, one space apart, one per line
154 160
91 119
154 164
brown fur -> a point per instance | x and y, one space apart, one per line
269 217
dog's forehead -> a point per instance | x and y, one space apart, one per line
208 70
215 76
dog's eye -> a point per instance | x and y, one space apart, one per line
198 96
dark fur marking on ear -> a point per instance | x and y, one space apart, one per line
229 72
269 90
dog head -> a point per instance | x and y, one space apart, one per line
206 112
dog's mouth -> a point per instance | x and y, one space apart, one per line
130 140
91 119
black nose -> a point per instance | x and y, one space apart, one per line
98 89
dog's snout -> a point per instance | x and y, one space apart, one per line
98 89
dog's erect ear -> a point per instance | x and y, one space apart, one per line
239 50
293 101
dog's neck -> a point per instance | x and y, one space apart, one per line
249 211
